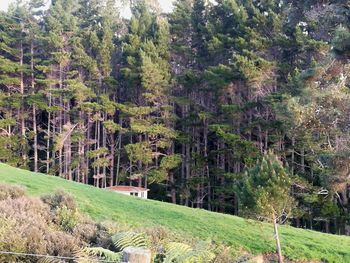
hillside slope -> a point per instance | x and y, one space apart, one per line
237 232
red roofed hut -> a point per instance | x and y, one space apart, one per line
130 190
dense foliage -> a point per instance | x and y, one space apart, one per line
32 228
51 226
183 103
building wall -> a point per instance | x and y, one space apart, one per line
122 192
143 194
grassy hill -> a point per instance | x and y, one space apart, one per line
241 234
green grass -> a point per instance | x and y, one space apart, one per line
239 233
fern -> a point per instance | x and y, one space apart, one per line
103 253
200 254
175 250
50 260
96 254
130 239
182 253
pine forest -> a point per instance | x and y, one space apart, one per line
234 106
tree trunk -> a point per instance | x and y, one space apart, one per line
81 146
345 198
188 172
48 137
293 155
172 187
35 143
260 136
222 177
87 149
111 178
68 145
21 110
183 169
35 130
207 174
206 168
104 145
278 244
118 157
327 226
60 152
302 156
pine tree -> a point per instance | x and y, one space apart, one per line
265 193
148 75
14 71
186 101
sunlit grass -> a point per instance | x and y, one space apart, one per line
251 236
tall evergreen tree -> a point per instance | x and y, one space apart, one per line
265 193
187 101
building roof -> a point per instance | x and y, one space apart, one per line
124 188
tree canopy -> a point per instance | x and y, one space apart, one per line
185 103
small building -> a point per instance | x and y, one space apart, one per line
130 190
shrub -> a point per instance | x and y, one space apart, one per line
10 191
10 240
59 199
28 225
53 226
112 227
62 244
103 237
341 41
67 218
66 215
86 231
157 235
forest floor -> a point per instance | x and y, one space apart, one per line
242 234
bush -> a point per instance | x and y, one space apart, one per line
158 236
26 225
67 218
10 191
59 199
341 41
86 231
10 240
63 244
53 227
